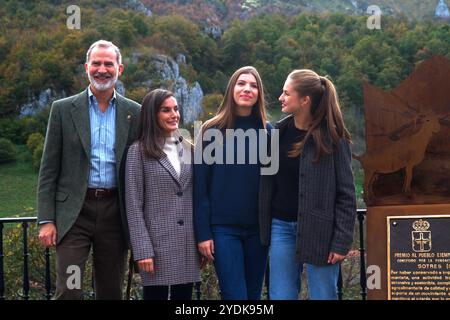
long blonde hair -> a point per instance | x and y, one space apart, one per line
225 117
327 120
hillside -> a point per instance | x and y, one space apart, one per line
38 54
221 12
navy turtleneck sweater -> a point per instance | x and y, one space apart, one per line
225 193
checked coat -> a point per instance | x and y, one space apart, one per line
159 211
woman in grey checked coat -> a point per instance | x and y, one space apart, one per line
159 202
307 210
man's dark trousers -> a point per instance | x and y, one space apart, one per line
98 225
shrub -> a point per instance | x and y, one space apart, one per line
35 140
10 129
37 155
8 152
13 270
18 130
210 104
137 94
33 124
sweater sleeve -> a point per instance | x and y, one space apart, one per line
345 204
202 206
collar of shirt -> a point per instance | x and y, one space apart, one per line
93 100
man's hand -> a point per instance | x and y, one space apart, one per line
146 265
206 248
47 234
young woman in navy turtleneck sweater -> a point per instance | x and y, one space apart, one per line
226 195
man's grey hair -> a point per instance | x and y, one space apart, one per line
104 44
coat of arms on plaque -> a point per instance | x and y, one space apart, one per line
421 237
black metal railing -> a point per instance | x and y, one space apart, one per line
361 214
25 295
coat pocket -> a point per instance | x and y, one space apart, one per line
160 232
313 241
61 196
321 214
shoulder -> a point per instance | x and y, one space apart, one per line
342 151
209 124
343 144
131 104
187 145
284 122
68 101
134 149
269 126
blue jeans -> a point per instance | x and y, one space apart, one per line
240 261
285 271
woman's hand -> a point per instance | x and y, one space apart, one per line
206 248
334 258
146 265
203 262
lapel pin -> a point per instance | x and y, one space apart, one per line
129 117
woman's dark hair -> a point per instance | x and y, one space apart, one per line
327 120
150 135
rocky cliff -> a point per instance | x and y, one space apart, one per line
442 10
162 71
189 96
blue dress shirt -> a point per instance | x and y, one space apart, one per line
102 173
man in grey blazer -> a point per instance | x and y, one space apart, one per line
80 189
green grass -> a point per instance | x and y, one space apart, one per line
18 181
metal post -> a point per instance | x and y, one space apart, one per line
362 254
267 280
198 290
48 280
339 283
93 292
2 276
26 280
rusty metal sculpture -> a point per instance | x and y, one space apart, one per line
407 158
